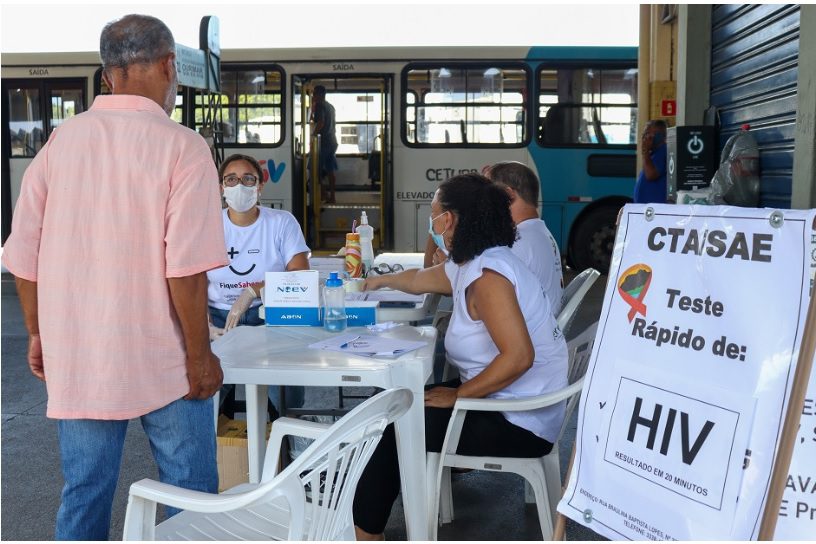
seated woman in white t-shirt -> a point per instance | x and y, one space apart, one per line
502 337
259 240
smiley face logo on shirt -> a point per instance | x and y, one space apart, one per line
233 252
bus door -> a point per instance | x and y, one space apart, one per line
32 109
362 180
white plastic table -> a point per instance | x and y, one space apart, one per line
262 356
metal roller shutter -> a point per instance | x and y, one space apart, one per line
754 65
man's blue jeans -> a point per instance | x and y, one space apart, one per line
182 437
295 394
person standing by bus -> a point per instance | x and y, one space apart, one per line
321 122
117 222
651 182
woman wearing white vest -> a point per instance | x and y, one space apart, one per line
502 338
259 240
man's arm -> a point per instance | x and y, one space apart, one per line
27 293
189 297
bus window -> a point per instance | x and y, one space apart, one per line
410 116
65 103
37 107
358 120
458 106
251 102
587 106
25 117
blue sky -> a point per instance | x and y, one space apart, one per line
75 27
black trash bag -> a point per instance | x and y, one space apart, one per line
736 181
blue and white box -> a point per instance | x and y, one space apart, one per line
292 298
361 312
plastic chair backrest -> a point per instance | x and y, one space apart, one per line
572 297
579 350
324 477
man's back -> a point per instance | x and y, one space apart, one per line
537 248
125 198
325 112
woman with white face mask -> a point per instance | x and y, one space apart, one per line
258 240
502 338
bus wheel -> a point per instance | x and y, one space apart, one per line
593 239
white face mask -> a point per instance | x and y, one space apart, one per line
241 198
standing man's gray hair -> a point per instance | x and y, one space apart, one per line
134 39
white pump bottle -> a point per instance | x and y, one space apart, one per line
366 233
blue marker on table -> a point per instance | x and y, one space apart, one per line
346 344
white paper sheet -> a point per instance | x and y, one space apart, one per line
367 345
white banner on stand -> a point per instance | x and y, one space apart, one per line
797 514
683 401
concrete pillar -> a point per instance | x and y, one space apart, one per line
662 54
644 69
804 153
694 62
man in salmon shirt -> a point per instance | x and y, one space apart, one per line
118 220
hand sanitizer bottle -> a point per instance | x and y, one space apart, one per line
366 233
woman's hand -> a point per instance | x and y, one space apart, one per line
441 397
373 283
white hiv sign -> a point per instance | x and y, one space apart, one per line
797 514
683 401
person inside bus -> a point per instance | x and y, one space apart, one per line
651 182
502 338
535 246
321 122
258 240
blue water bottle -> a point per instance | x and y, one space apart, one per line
334 304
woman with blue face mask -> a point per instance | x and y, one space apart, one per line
503 345
258 240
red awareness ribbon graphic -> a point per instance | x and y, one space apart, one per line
636 303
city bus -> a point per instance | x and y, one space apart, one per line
406 120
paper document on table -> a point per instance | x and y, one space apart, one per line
367 345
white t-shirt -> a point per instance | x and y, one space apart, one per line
537 248
471 350
267 245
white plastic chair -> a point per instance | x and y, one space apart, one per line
310 500
572 297
543 474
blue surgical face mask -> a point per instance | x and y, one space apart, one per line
437 238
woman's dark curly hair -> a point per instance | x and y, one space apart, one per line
483 212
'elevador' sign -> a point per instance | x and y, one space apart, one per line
697 343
